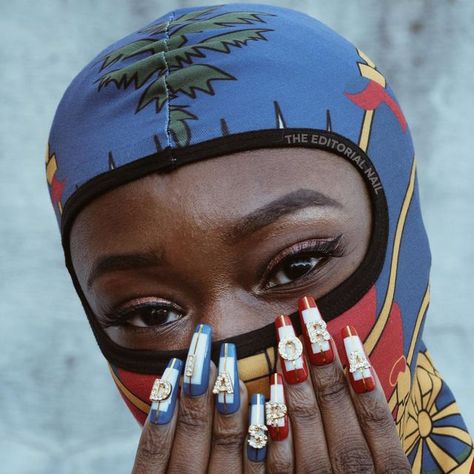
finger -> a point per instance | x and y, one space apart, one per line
280 449
347 446
230 415
373 411
256 440
192 439
157 435
310 450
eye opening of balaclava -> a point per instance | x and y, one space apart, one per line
203 82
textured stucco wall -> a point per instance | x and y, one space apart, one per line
60 412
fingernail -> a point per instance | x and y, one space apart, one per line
276 410
196 369
315 334
227 386
360 371
290 349
164 394
257 438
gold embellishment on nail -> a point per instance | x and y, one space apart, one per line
189 367
274 411
358 361
290 348
223 384
317 332
257 437
161 390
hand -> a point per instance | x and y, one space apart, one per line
336 426
201 431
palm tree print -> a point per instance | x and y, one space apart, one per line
167 67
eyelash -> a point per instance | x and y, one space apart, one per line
323 249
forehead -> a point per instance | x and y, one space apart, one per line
217 190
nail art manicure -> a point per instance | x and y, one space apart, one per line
196 369
276 409
360 370
164 394
290 349
257 437
227 386
316 336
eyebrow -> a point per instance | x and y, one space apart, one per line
113 263
269 213
257 219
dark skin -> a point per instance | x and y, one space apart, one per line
159 255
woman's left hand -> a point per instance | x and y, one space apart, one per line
338 423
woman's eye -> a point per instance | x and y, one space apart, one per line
301 260
147 315
292 269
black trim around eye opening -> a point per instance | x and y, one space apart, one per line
334 303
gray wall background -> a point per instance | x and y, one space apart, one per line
59 409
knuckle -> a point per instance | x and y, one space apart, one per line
192 418
230 438
397 464
331 386
303 408
375 415
280 465
352 457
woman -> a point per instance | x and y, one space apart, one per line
309 216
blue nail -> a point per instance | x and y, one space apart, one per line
196 369
257 446
164 394
227 385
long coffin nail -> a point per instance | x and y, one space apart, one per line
257 437
276 410
196 369
164 394
316 336
227 386
290 349
360 370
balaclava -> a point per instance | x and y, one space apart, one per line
205 81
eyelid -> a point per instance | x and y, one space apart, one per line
121 314
330 245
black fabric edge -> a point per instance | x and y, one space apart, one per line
331 305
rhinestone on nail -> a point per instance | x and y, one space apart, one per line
358 361
274 411
317 332
290 348
189 368
257 437
161 390
223 384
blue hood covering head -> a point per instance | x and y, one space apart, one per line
206 81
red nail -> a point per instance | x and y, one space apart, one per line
315 334
360 370
290 349
276 411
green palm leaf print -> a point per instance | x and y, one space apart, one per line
167 65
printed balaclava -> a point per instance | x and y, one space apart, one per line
205 81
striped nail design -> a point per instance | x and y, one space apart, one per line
360 370
257 437
290 350
227 386
316 336
164 394
196 369
276 410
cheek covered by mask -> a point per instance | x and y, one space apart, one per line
205 81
